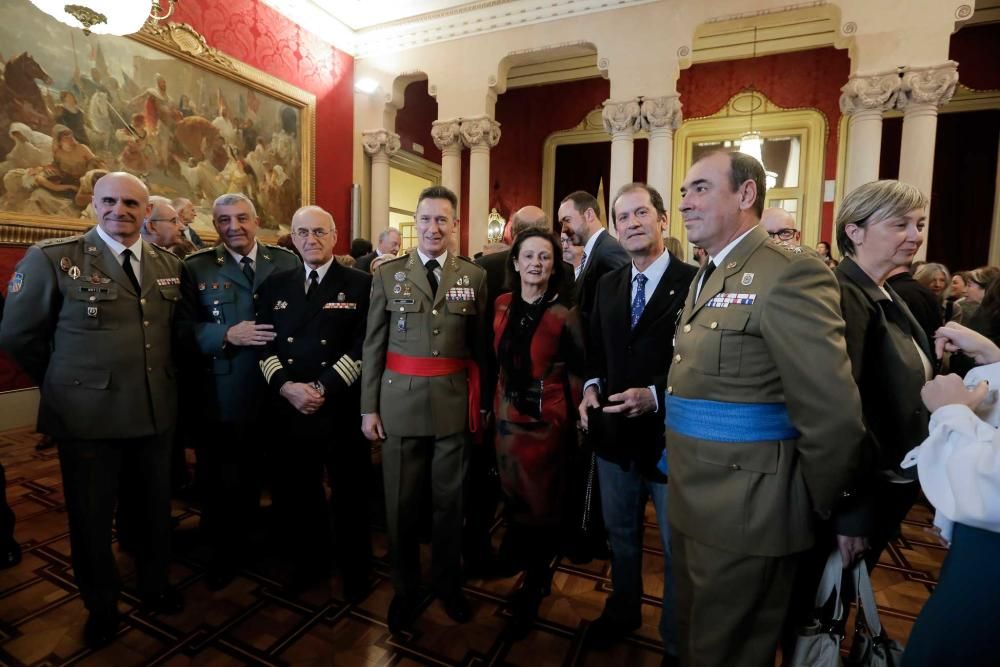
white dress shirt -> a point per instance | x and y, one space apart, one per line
118 248
442 258
239 258
320 272
588 250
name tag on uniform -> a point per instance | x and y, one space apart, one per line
461 294
403 302
339 305
163 282
726 299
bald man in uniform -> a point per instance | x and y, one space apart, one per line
756 454
780 225
91 319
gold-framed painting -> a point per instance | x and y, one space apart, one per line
186 118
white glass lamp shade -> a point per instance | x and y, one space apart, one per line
122 17
751 143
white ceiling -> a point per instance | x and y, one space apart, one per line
361 14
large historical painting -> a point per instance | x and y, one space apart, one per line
161 104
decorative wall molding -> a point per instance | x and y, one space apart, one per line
928 85
870 93
622 116
447 134
480 132
380 141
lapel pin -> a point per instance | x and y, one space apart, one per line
731 265
65 263
74 272
397 288
399 276
92 249
341 296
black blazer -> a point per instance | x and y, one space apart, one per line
623 357
316 340
606 255
364 263
890 374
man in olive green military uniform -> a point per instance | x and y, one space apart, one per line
232 391
91 318
424 325
763 418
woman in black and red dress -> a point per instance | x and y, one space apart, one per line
539 352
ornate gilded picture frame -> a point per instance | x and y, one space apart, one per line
186 118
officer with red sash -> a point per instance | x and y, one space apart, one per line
420 394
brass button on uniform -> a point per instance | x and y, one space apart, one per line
687 328
677 358
215 303
291 361
143 301
401 309
148 346
434 312
76 382
463 310
145 323
323 342
435 353
436 332
323 364
735 466
291 340
149 369
670 390
713 325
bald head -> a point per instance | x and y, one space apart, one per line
780 224
528 217
314 235
121 203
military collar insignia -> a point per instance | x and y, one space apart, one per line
91 250
731 265
265 255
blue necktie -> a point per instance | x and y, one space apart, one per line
639 302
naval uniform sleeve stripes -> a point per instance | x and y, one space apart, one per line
348 369
269 367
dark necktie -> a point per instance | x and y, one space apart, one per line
247 269
709 268
431 276
639 302
313 282
129 272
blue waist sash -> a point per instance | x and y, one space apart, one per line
729 422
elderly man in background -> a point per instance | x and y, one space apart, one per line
91 319
161 226
755 455
780 225
185 216
231 390
389 241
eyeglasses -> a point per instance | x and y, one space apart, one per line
304 233
172 221
786 234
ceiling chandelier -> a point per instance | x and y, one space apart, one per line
751 142
107 17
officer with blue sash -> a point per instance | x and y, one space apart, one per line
762 417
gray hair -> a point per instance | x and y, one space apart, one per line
384 234
181 202
874 202
231 199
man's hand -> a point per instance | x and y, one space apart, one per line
632 402
949 390
371 426
953 337
590 400
248 332
302 396
851 548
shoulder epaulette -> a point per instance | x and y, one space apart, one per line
275 246
59 241
202 251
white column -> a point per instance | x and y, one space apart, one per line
479 135
864 99
448 139
380 145
621 120
923 91
661 116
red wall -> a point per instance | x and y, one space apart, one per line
974 48
413 121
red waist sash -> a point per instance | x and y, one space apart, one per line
437 367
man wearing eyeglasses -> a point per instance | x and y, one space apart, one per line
230 388
313 369
161 225
780 226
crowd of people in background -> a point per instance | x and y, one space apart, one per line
778 406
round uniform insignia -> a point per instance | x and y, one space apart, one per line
397 288
400 276
65 263
95 278
341 296
74 272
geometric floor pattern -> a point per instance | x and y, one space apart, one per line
255 621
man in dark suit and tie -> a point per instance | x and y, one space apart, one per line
220 293
91 319
601 253
629 351
388 244
313 367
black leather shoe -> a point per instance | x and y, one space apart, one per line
606 631
400 614
457 607
101 629
10 556
524 611
169 601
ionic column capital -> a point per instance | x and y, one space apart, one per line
660 113
622 118
481 132
447 135
380 142
875 92
932 86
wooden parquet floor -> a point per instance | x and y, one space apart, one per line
255 621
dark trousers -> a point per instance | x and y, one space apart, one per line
300 507
406 465
231 463
6 514
92 473
349 467
481 500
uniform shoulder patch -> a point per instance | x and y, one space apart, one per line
59 241
273 246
